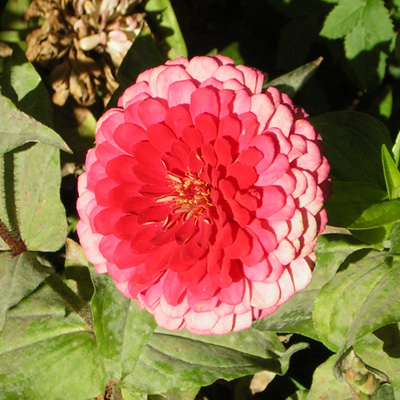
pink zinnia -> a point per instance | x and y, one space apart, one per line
203 198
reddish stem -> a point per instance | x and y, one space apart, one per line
16 245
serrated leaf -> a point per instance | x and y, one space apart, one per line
293 81
19 276
391 173
163 16
18 128
41 342
326 386
373 28
352 143
342 19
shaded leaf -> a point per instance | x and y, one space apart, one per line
352 143
293 81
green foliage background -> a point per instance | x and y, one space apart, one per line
67 333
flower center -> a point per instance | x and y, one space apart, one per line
191 195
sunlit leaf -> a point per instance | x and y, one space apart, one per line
391 173
167 27
45 352
19 276
326 386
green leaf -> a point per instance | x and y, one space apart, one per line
380 350
19 276
32 197
167 27
326 386
373 28
365 23
395 240
179 360
396 150
18 128
120 328
359 205
44 352
295 316
342 19
352 143
23 85
361 298
293 81
391 173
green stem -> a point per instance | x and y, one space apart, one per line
71 298
16 245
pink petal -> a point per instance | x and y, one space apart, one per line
202 68
204 100
166 78
300 272
264 295
180 92
151 111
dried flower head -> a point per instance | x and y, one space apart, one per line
81 44
203 198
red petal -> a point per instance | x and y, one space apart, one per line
104 221
192 137
207 126
241 245
178 119
127 135
120 169
223 150
244 175
205 289
160 137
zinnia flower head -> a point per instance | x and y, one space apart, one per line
203 198
81 44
